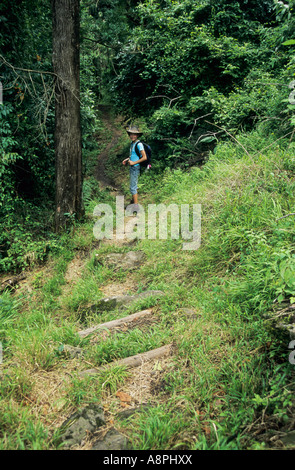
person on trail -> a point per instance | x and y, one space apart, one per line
134 161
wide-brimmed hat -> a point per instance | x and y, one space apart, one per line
133 130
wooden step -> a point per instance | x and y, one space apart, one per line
132 361
116 323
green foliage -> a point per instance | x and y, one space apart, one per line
158 427
9 309
279 395
196 74
286 279
26 116
186 64
27 164
176 52
258 101
19 431
8 157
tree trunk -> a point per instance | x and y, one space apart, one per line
68 147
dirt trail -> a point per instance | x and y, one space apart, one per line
141 387
111 126
145 380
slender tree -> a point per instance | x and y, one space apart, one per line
68 148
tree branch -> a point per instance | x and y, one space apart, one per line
197 119
284 216
101 43
164 96
45 72
211 123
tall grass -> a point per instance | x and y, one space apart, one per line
228 369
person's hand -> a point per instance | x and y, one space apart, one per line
125 161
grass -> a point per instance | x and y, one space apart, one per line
230 371
120 345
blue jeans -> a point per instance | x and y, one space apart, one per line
134 174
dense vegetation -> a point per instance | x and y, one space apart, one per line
210 83
196 73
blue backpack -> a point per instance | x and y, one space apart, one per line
148 152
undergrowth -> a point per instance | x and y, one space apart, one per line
230 370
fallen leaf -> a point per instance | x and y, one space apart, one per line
124 397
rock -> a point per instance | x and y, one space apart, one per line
113 440
130 260
72 351
75 428
120 301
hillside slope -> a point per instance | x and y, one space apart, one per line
225 381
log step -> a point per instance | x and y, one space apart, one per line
115 323
132 361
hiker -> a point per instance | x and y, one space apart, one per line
134 161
